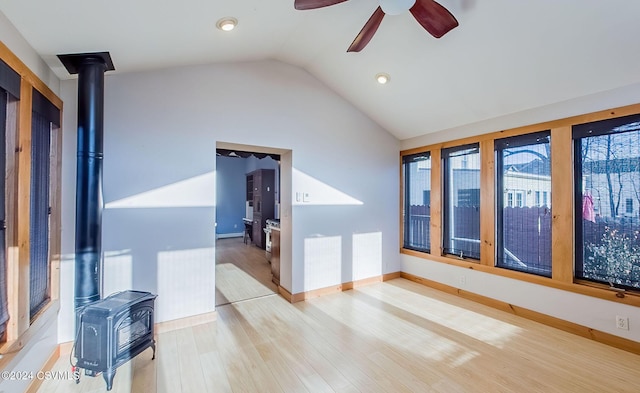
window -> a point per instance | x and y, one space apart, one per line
9 91
4 310
461 206
44 116
417 201
499 204
523 230
607 173
519 199
30 160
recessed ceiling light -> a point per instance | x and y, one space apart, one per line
382 78
227 24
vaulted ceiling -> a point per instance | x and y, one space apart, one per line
506 56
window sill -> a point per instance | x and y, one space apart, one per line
582 287
43 320
618 292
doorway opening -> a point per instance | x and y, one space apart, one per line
253 201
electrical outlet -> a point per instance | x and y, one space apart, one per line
463 280
622 322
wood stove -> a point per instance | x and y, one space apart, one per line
112 331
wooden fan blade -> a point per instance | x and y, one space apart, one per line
367 32
313 4
436 19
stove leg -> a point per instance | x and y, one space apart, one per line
108 378
75 371
153 346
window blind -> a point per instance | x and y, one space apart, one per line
523 199
417 201
9 80
39 214
4 311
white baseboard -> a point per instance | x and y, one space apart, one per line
227 235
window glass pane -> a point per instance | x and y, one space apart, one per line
461 229
607 192
39 228
417 203
524 223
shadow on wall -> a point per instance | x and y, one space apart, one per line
170 233
334 259
328 262
169 252
161 241
193 192
311 191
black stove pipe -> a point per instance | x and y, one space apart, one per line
89 181
90 68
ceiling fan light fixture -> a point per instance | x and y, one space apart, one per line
396 7
227 23
382 78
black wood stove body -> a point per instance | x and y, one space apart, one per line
112 331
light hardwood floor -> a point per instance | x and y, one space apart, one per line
396 336
242 272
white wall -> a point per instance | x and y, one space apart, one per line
584 310
21 48
161 130
34 355
626 95
31 359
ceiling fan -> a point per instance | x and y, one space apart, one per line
436 19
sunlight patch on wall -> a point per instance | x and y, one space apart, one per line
322 262
367 255
186 283
197 191
311 191
118 271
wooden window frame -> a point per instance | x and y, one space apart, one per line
21 328
562 200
